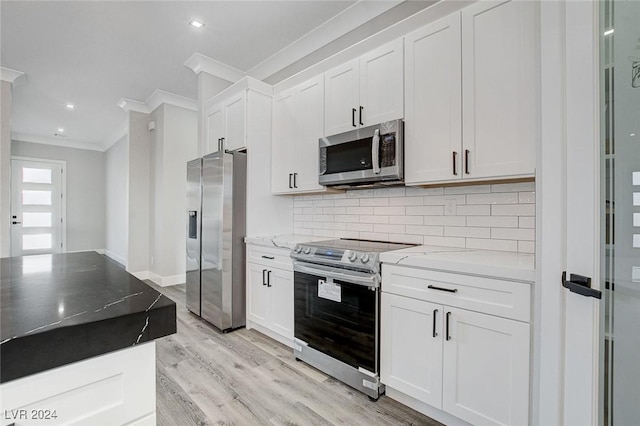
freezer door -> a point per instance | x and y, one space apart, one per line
193 223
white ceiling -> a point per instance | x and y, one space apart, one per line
93 53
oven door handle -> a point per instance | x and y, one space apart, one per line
375 151
351 277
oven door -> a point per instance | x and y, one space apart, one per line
336 312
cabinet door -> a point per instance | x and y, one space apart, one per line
381 85
433 120
281 289
411 347
486 369
310 117
258 298
282 142
236 134
341 97
499 88
215 127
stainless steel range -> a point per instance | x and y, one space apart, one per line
337 308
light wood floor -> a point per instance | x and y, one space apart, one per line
245 378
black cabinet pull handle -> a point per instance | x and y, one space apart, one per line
264 277
580 285
353 117
15 223
290 176
466 161
455 172
435 333
361 108
268 257
295 176
450 290
447 333
268 278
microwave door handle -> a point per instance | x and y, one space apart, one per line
375 151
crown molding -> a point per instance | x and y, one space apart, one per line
157 98
66 143
247 83
122 131
200 63
346 21
7 74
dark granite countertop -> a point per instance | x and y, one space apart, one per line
62 308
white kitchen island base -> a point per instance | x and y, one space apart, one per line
118 388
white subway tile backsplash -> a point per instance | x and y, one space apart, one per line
494 198
489 244
444 241
406 220
513 234
494 217
467 231
374 201
513 210
425 230
374 219
392 229
424 210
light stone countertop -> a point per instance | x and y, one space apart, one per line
283 241
498 264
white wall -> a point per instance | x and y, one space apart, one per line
85 176
5 167
116 200
173 142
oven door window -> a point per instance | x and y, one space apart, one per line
344 330
349 156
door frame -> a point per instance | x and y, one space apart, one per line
569 116
63 189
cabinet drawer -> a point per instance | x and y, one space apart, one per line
492 296
271 257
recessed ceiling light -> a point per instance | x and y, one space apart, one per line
70 106
60 130
196 24
609 32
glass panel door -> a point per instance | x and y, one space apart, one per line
36 207
620 210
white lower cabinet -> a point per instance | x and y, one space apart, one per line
468 364
270 297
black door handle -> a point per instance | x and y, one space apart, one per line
435 333
455 172
447 322
466 161
295 176
361 108
264 277
353 117
268 278
580 285
290 175
450 290
15 223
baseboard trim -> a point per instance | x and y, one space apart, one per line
269 333
141 275
426 409
166 281
99 251
118 258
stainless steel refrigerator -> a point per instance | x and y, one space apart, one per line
216 207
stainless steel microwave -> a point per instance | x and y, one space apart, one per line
369 155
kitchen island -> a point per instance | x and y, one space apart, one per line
77 340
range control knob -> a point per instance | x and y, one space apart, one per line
364 258
307 250
353 256
298 249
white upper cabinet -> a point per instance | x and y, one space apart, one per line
215 127
471 95
298 117
235 131
365 91
499 88
433 121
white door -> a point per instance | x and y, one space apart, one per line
499 88
342 98
486 369
258 299
411 347
310 119
282 142
433 122
215 127
381 85
235 130
280 285
36 207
